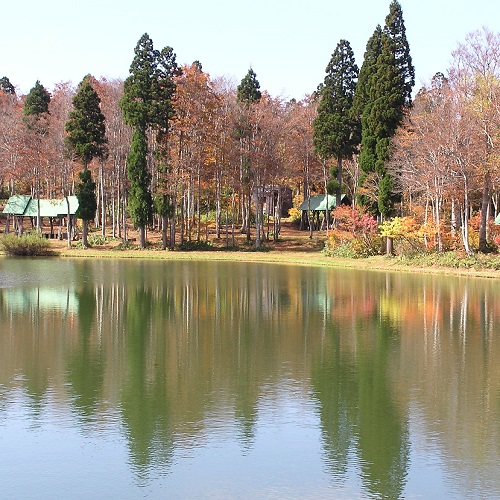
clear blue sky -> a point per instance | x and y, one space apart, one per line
287 43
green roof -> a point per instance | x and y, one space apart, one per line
318 202
28 207
16 205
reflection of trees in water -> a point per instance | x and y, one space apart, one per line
86 362
145 405
172 344
383 428
358 413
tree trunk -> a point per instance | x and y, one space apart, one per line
258 219
164 225
338 194
485 201
68 226
103 202
142 236
465 218
172 228
85 230
389 246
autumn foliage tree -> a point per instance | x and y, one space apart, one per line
476 77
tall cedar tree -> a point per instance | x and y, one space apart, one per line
87 202
162 112
384 92
36 106
146 102
336 129
248 93
248 90
36 110
87 140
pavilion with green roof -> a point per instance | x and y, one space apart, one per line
317 204
19 206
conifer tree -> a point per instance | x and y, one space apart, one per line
336 129
248 90
87 202
146 103
383 93
36 110
6 86
248 94
396 31
36 107
140 200
87 140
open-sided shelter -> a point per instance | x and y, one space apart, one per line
20 206
318 204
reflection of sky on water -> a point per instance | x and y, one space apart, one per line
213 463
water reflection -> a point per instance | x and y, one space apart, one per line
187 356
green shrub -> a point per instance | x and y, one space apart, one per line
190 246
96 239
29 244
453 259
126 245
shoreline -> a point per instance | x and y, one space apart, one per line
282 257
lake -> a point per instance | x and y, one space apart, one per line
175 379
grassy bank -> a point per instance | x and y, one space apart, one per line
294 248
479 266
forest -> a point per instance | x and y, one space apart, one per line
172 150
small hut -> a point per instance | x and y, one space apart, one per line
20 206
314 207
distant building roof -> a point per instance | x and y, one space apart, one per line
497 219
28 207
318 202
16 205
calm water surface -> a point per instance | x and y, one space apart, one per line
123 379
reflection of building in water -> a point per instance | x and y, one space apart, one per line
41 298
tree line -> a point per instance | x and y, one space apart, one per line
170 148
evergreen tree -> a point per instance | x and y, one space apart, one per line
396 31
140 202
137 88
383 94
248 94
336 129
86 125
36 106
36 110
87 140
367 72
146 103
85 192
248 90
6 86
